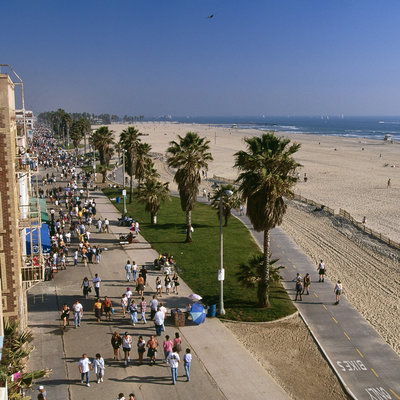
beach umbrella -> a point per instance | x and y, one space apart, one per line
195 297
198 313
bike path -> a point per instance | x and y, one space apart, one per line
365 364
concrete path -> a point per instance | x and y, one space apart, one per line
366 365
221 368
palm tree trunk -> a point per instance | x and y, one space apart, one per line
130 190
188 227
153 219
263 287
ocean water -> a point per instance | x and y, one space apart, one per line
362 127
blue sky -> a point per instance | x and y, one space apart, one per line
152 57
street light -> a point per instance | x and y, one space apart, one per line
123 179
221 271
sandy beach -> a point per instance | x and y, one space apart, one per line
345 173
342 172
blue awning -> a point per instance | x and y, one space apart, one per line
44 237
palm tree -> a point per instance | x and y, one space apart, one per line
130 138
267 175
150 171
250 273
103 141
189 156
67 121
228 202
152 193
142 154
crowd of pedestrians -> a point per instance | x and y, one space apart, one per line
73 226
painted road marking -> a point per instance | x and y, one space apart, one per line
315 294
374 373
378 393
351 365
323 305
294 266
345 334
289 260
335 320
395 394
359 352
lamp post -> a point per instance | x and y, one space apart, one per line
221 271
123 179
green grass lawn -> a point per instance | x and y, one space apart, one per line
198 261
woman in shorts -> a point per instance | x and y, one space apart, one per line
158 286
126 347
141 348
116 342
167 282
175 280
65 310
338 291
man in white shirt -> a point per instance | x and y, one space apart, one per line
158 321
85 365
164 311
77 308
96 283
99 224
153 307
134 270
106 225
128 269
174 360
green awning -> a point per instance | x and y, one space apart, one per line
43 209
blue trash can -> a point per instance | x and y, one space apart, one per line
118 200
212 311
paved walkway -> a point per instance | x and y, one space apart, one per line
221 369
366 365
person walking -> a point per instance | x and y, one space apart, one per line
338 291
128 269
140 285
65 310
174 361
167 346
132 309
152 345
99 225
187 361
167 283
127 346
116 342
85 365
321 270
121 396
77 308
99 367
141 348
158 286
96 283
131 396
86 287
143 306
98 254
97 309
178 342
106 225
299 289
124 304
42 393
306 283
107 307
158 321
153 306
134 270
175 280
